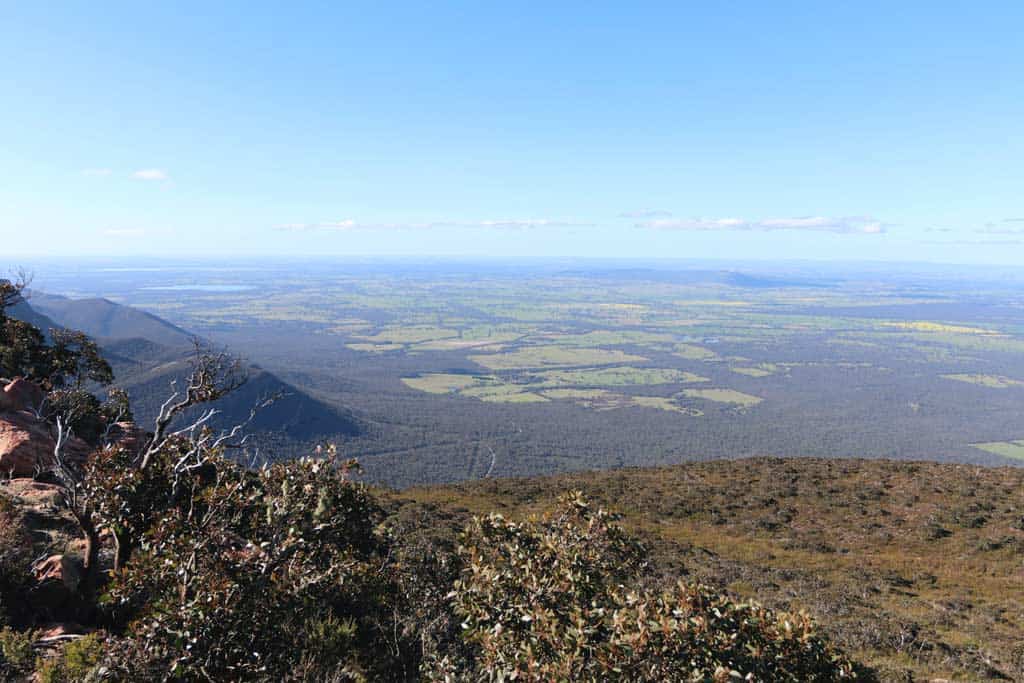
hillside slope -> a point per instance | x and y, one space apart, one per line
916 568
104 319
147 353
295 415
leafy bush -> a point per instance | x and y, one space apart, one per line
15 558
251 575
16 648
79 662
545 600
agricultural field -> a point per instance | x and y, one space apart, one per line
991 381
1007 449
547 368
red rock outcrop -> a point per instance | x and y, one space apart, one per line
129 435
57 578
21 394
26 446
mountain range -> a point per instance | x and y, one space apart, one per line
148 353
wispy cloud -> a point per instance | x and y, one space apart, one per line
96 172
1007 226
151 174
502 224
1000 231
850 225
646 213
124 232
938 229
973 243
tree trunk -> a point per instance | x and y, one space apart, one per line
92 552
122 549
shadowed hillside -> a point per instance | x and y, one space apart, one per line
294 416
147 353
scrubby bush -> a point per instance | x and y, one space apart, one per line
548 600
17 652
252 575
77 663
15 557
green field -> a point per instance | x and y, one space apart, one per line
990 381
374 348
618 376
691 352
553 356
723 396
600 399
502 393
444 383
412 334
760 371
1008 449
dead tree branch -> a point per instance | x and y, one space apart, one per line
213 375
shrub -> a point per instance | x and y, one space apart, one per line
546 600
76 664
16 647
253 575
15 558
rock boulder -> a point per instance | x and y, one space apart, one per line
26 445
21 394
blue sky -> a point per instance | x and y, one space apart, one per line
888 131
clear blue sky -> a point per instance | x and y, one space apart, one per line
890 131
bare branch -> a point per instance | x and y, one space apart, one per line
203 443
12 290
214 374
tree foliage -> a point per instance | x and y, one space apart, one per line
270 574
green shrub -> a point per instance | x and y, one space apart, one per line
251 575
16 647
547 600
15 558
76 664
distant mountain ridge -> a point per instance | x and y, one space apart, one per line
104 319
731 278
147 353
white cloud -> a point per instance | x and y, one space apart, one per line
124 232
974 243
501 224
850 225
96 172
151 174
522 224
646 213
1000 231
347 225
